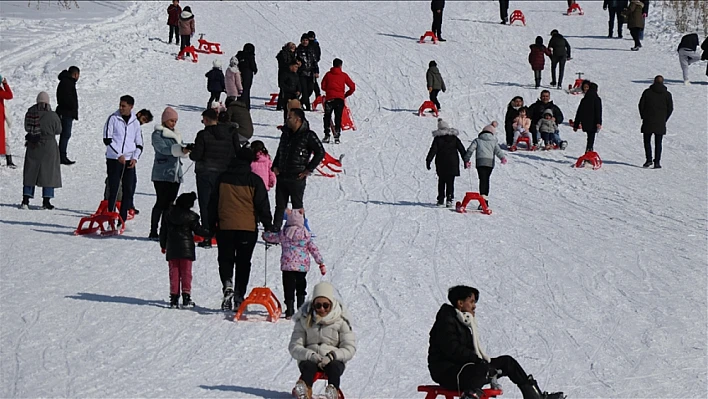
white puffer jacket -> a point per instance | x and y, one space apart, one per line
332 333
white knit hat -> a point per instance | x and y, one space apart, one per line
442 124
43 97
325 290
217 64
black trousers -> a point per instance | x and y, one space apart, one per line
120 173
236 248
616 12
334 371
591 141
185 42
215 96
307 84
174 30
560 63
437 23
484 172
504 10
206 184
635 35
294 282
287 188
434 98
537 78
336 105
316 87
446 188
247 82
166 195
475 375
657 146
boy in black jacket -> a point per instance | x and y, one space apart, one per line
216 83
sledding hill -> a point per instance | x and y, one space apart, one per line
594 280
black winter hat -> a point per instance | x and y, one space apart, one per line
249 48
188 9
304 36
186 200
432 64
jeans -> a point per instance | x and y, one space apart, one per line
120 173
434 98
235 248
66 122
287 188
336 105
180 272
437 23
484 172
47 192
446 188
166 195
334 371
206 184
174 30
560 62
657 146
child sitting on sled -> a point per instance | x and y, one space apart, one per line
548 128
521 126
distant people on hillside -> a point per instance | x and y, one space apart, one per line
435 83
67 108
437 6
5 123
635 22
173 12
655 108
615 8
216 83
446 149
560 53
512 111
589 114
537 59
688 54
334 84
248 68
307 70
504 11
186 27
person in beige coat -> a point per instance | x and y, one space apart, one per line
322 340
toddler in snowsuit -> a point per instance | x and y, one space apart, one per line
548 128
487 147
262 164
177 241
297 246
537 59
435 83
521 126
446 149
216 83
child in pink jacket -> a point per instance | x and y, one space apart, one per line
521 125
261 166
297 246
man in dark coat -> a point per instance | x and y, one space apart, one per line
655 108
537 109
589 114
512 111
307 71
248 68
704 56
289 83
456 360
615 8
437 6
504 11
286 57
67 108
299 152
560 53
317 51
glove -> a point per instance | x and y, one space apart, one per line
468 165
644 15
427 165
326 360
323 269
315 358
503 161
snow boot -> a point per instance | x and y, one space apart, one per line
331 392
647 163
25 202
302 391
657 165
226 303
440 39
174 301
10 164
326 138
440 204
48 206
530 390
336 140
449 203
238 300
289 311
187 301
206 243
154 222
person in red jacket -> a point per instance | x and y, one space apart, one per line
537 59
5 94
173 12
333 85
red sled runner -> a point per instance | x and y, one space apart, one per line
433 391
206 47
104 221
461 207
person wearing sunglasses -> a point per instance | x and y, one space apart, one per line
322 340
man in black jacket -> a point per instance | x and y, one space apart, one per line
560 50
285 58
317 51
456 359
615 8
655 108
67 108
299 152
437 6
213 149
537 109
248 68
589 114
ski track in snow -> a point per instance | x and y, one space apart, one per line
594 280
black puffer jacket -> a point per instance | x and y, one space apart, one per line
307 57
559 46
538 108
589 112
655 108
247 62
445 148
289 84
451 346
295 149
176 233
214 147
285 57
67 100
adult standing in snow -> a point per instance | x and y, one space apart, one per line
173 12
504 11
437 6
285 57
186 27
299 152
290 88
317 51
435 82
41 166
512 111
5 124
688 54
333 84
248 68
456 359
67 108
238 203
615 8
560 53
589 114
239 114
635 22
322 340
307 70
233 79
537 109
655 108
167 167
447 150
124 145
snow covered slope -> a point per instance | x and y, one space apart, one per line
594 280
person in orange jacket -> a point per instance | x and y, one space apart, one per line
333 84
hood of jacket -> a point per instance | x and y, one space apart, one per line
166 132
179 216
185 15
486 136
307 316
446 132
220 131
65 75
658 88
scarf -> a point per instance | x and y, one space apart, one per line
469 320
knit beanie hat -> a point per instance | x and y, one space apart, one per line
169 113
217 64
325 290
442 124
547 112
304 37
42 98
295 224
491 128
186 200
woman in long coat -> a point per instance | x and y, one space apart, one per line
41 166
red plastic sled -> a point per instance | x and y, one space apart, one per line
526 140
429 34
433 391
265 297
461 207
331 163
517 15
574 9
591 157
104 221
273 100
427 105
208 47
188 50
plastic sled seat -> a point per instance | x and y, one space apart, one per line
517 15
461 207
331 163
433 391
208 47
262 296
590 157
102 221
273 100
320 100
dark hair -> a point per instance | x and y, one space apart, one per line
223 117
186 200
73 69
146 113
304 37
517 98
539 40
210 114
311 34
460 293
258 146
524 108
249 48
299 113
245 154
127 99
337 63
545 91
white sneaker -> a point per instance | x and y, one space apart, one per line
331 392
687 83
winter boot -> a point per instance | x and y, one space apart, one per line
238 300
226 303
174 301
302 391
441 204
10 164
25 202
657 165
530 390
647 163
154 221
326 138
206 243
187 301
609 35
289 311
450 202
48 206
331 392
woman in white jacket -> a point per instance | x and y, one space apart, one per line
322 340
